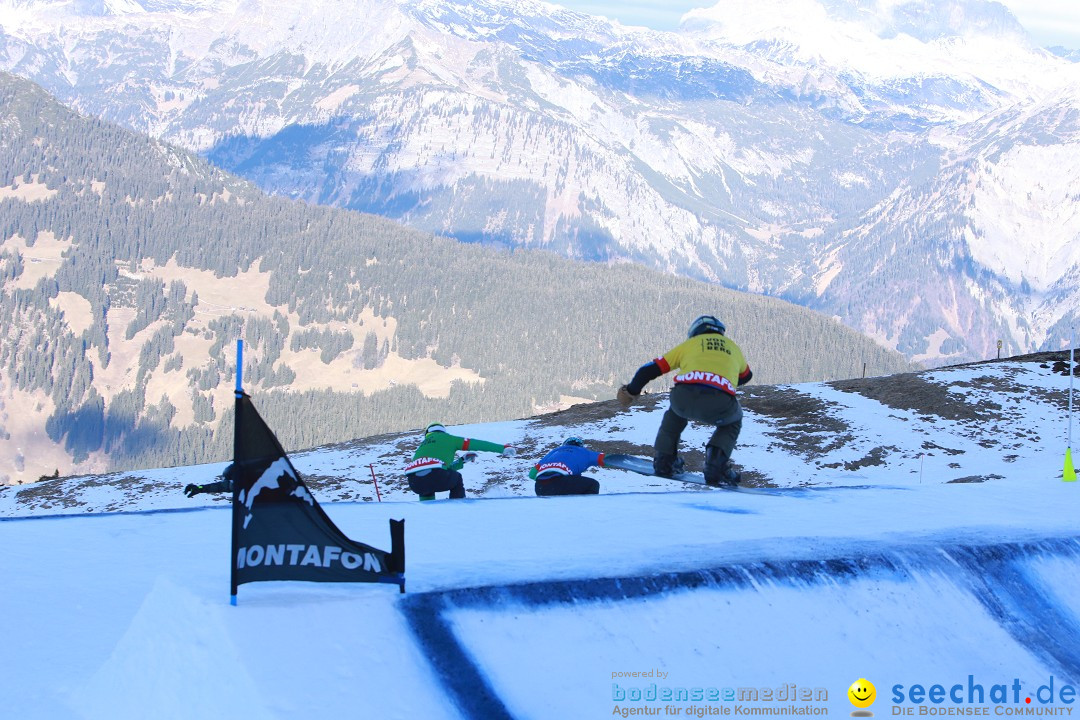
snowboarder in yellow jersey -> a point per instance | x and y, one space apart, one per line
711 368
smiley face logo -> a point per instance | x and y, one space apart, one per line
862 693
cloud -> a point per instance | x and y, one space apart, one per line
1050 22
655 14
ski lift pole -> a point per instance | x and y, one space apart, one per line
376 482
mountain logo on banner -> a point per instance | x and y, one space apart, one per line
279 531
269 480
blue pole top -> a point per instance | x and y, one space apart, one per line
239 366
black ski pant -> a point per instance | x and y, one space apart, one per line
429 482
702 404
556 484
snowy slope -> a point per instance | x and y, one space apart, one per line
952 562
969 423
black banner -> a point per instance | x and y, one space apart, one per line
280 532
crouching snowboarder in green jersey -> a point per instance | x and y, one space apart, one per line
435 466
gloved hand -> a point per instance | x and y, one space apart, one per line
624 397
192 489
468 457
509 451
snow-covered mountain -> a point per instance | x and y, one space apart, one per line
989 242
783 148
935 546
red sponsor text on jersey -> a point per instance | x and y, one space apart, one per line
701 377
553 467
423 463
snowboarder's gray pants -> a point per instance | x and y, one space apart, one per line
567 485
705 405
429 482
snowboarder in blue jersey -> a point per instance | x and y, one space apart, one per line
559 472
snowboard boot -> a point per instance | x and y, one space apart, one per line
732 474
667 466
718 469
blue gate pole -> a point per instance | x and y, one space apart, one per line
239 394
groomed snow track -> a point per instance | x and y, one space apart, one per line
1024 588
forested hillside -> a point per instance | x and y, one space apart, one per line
129 268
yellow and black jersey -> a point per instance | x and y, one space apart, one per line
711 359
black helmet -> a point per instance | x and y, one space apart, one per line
435 427
706 324
574 440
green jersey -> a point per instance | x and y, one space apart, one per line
439 450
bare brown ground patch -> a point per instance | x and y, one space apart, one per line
50 494
909 391
977 478
66 493
592 412
804 424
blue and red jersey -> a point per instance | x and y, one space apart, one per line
567 460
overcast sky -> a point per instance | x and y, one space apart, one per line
1050 22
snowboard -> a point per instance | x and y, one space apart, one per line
644 466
